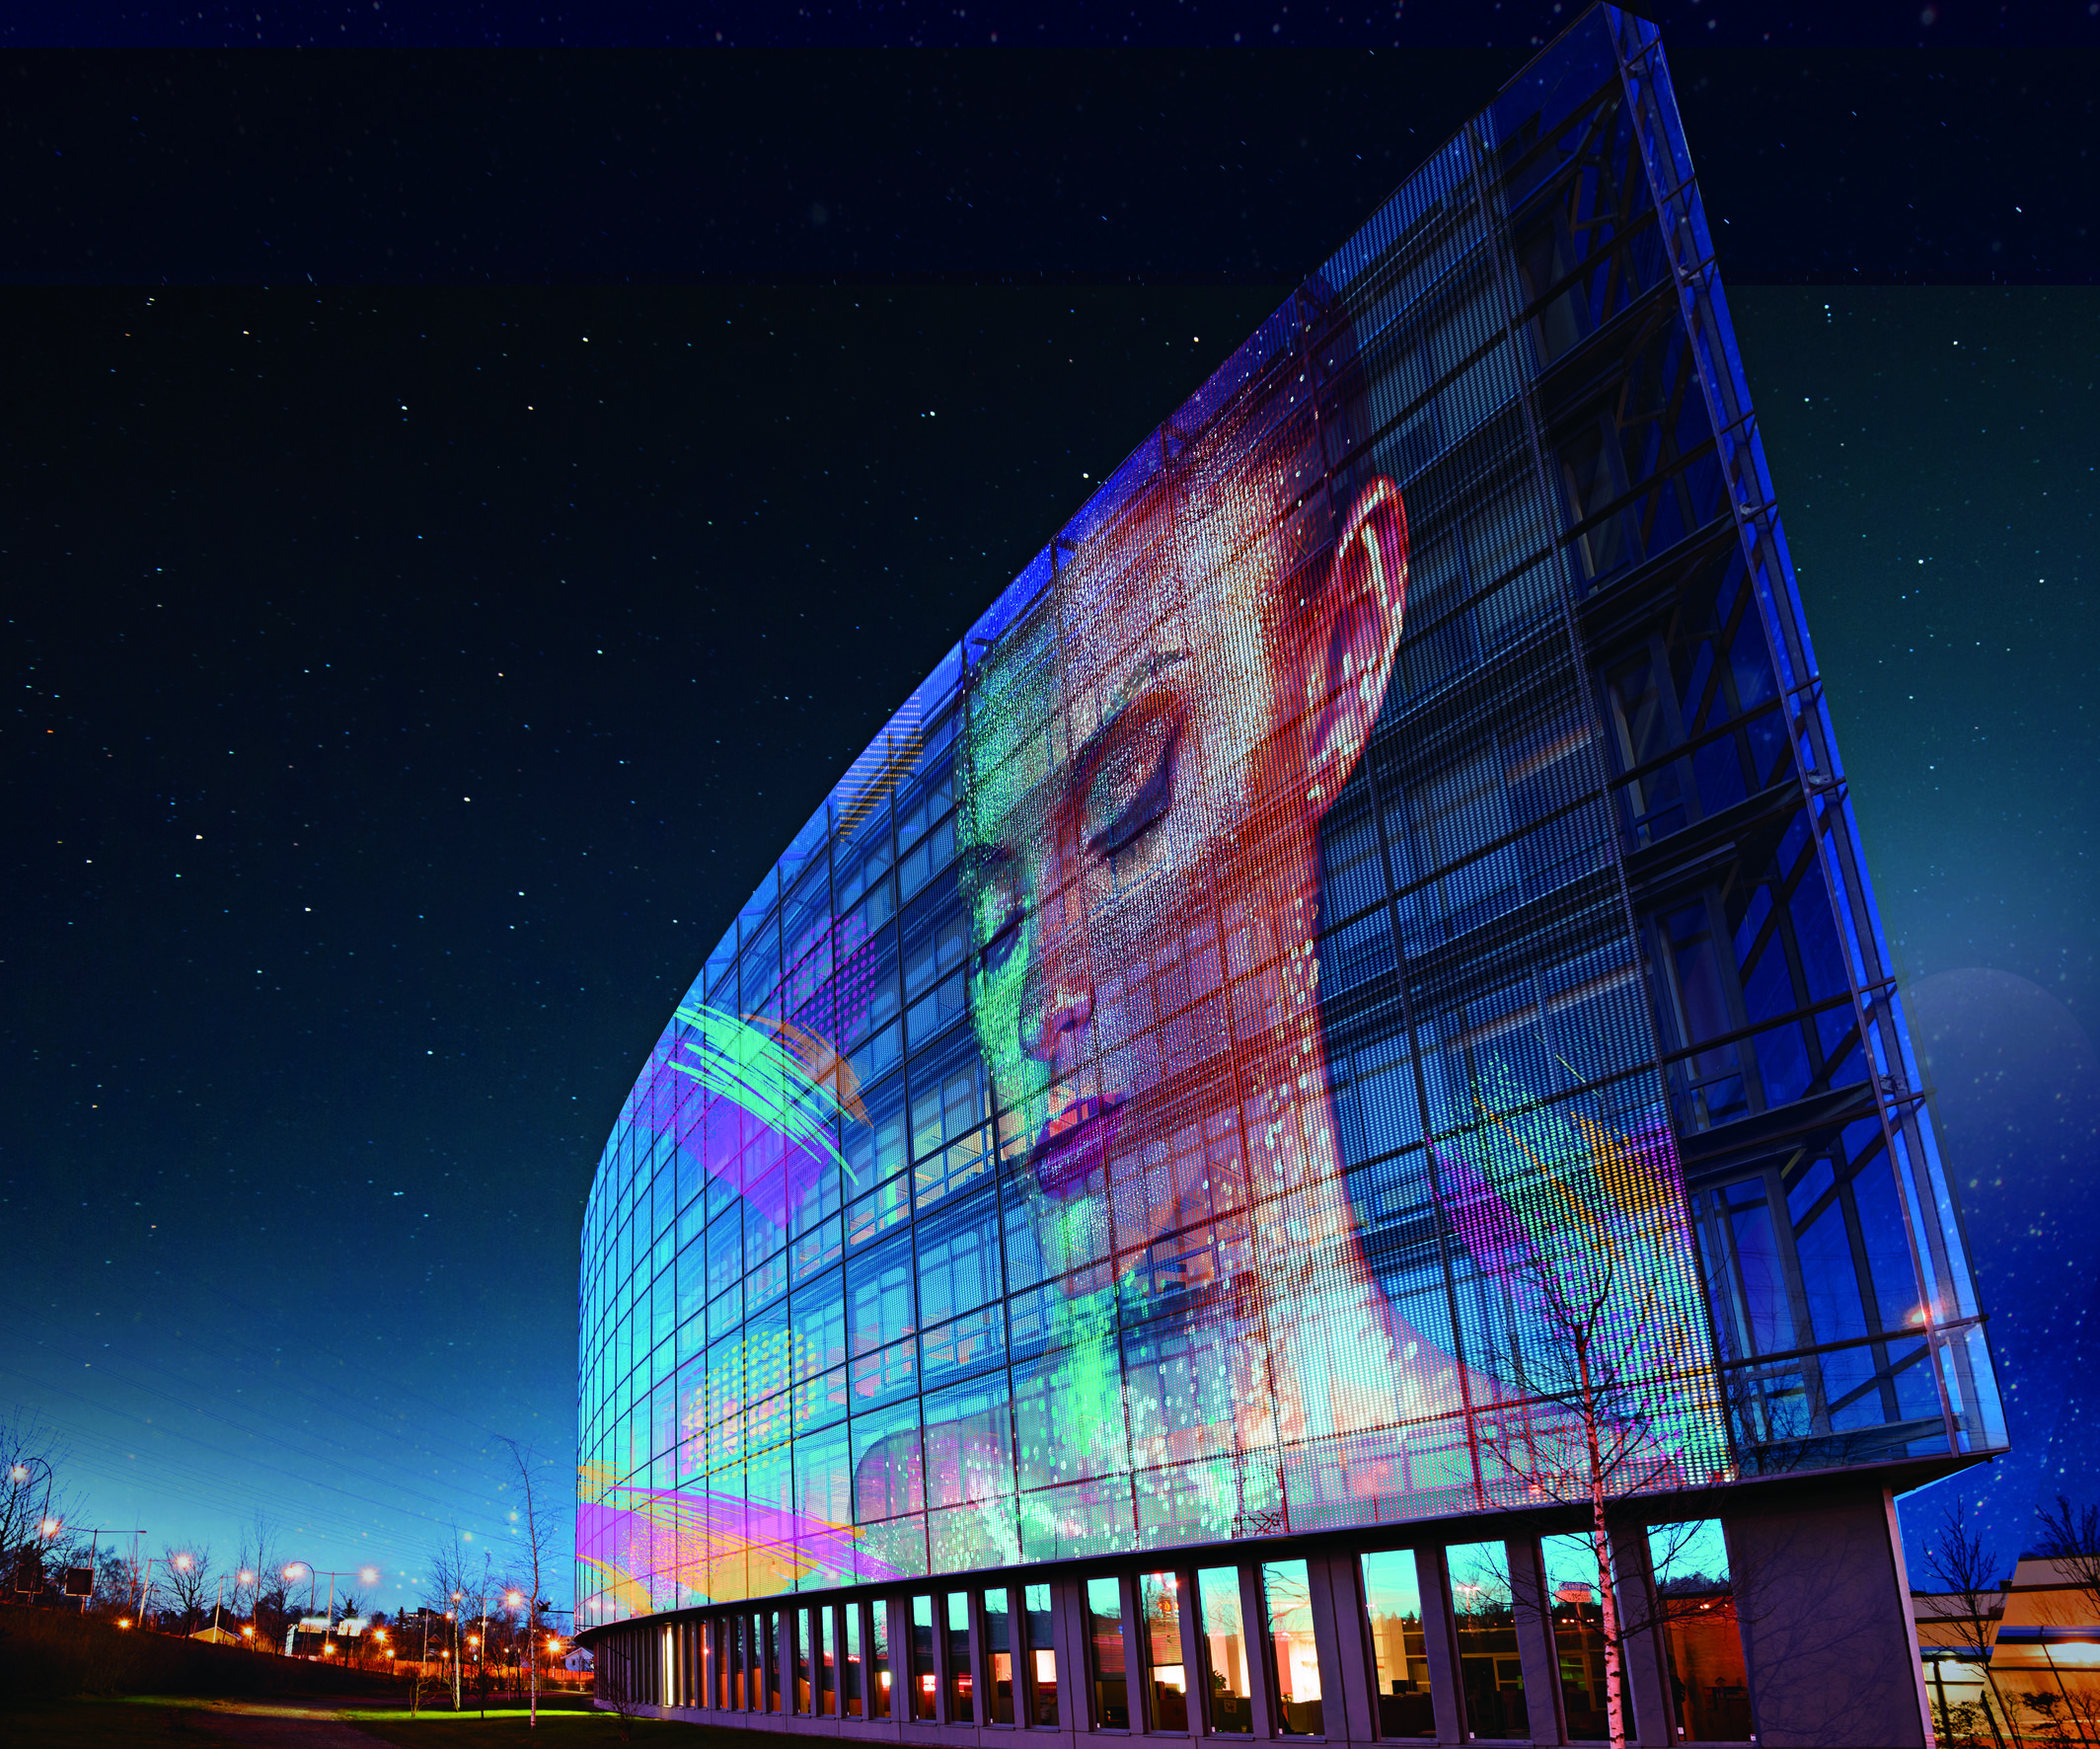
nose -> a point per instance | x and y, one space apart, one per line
1057 998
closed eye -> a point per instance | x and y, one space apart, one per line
1000 949
1132 784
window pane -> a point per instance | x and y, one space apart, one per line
1293 1658
1574 1586
1042 1655
1488 1665
1160 1597
1225 1650
821 1667
1393 1600
1105 1631
775 1635
878 1659
801 1661
998 1657
1709 1692
922 1657
961 1687
850 1663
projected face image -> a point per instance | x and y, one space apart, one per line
1143 786
1147 763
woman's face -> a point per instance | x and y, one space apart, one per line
1139 846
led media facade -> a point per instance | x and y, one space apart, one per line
1350 989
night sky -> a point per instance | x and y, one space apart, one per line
415 665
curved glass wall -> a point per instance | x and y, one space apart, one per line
1350 997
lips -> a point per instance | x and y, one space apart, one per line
1074 1143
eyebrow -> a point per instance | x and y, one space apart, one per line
1132 689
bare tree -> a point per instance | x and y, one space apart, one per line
32 1500
189 1581
446 1591
537 1528
1605 1383
1968 1573
2071 1539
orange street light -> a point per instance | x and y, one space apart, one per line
247 1633
124 1621
51 1526
182 1562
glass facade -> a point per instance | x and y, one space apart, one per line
1369 919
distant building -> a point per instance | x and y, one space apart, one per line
217 1636
2029 1659
311 1635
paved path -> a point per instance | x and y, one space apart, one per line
283 1724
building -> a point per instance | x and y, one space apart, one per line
2020 1661
1344 1019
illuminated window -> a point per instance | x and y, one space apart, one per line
1574 1591
1709 1689
962 1687
1393 1604
1159 1602
1225 1652
922 1696
878 1661
1294 1660
999 1656
1042 1655
1104 1638
1490 1671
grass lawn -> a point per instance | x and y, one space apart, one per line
107 1725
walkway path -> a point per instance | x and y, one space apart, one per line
284 1724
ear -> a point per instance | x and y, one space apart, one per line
1350 639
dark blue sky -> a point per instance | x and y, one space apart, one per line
415 666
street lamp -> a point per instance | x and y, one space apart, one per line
292 1569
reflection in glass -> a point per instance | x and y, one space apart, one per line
878 1660
802 1661
1709 1690
1293 1660
962 1696
821 1671
1104 1634
1160 1598
998 1657
1572 1585
776 1649
1489 1668
1225 1650
1042 1655
850 1661
1392 1602
923 1658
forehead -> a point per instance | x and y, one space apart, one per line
1185 566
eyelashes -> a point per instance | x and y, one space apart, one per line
1132 784
994 954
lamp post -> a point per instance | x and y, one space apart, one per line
254 1607
19 1475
